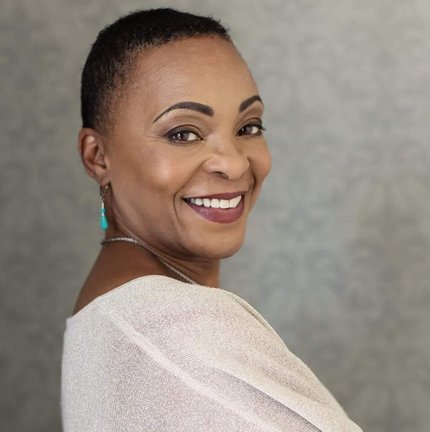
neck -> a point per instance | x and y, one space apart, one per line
203 272
194 270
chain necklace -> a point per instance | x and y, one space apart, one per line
162 261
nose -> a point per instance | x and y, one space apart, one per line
227 159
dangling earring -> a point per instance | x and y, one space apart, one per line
103 219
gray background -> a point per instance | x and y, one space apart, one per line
337 256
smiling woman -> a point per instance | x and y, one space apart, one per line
173 134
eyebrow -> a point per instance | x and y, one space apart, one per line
206 109
247 102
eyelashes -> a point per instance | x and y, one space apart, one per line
188 134
183 135
253 129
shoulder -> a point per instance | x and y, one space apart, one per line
157 293
156 314
165 309
164 320
161 294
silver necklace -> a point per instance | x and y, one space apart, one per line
165 263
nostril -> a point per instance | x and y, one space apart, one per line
229 165
223 174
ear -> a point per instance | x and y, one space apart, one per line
93 155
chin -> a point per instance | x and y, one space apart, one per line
216 249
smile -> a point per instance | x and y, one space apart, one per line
216 203
225 208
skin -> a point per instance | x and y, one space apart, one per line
151 172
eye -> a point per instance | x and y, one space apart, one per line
182 135
251 129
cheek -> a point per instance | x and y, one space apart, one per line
143 181
262 162
160 175
148 188
156 170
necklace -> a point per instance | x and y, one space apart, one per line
162 261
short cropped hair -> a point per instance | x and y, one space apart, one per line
112 58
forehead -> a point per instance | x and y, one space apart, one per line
207 69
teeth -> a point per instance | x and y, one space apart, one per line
224 204
234 202
216 203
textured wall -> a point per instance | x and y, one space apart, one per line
337 257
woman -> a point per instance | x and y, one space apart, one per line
172 133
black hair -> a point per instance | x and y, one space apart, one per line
111 59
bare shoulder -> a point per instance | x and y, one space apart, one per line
94 287
112 268
100 281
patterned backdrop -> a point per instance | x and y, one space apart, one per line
337 257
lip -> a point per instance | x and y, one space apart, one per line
217 214
225 195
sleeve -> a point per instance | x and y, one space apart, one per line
116 379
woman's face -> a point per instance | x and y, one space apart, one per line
187 139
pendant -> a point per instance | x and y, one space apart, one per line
103 219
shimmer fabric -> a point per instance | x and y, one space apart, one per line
160 355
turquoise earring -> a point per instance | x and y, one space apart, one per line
103 219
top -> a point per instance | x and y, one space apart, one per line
156 354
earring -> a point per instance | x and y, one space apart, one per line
103 219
